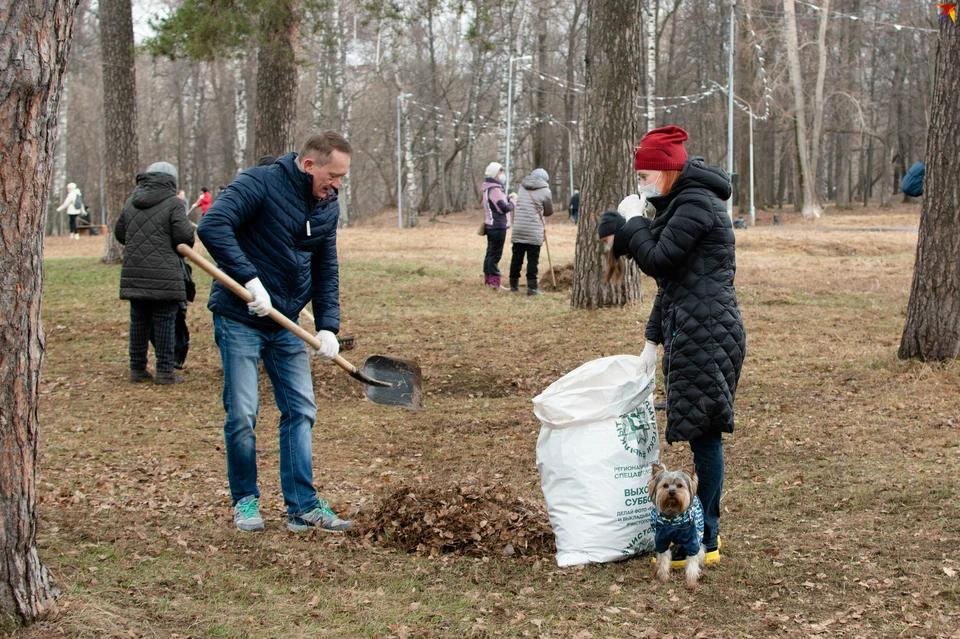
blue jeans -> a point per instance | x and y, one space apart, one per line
708 458
288 366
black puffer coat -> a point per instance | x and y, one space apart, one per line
689 248
153 222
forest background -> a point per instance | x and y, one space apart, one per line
867 109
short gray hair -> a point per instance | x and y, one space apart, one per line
320 146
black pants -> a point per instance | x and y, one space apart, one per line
532 251
495 240
181 342
156 320
73 223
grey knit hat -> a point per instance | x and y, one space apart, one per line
163 167
540 173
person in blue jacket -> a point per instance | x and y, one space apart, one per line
274 228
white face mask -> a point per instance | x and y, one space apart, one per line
608 245
650 189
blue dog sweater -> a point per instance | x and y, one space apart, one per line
685 530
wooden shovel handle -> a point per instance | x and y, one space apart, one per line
275 315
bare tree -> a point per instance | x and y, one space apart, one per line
34 44
808 143
120 113
932 329
614 54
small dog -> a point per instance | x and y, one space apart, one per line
677 519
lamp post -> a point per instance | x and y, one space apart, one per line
733 24
749 109
400 99
510 113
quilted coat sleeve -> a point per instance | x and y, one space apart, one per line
325 277
547 205
666 253
181 230
120 230
218 228
654 331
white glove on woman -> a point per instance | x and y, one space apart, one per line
260 305
648 359
329 346
512 197
631 206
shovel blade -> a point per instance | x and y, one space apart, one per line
404 381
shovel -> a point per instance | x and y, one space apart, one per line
386 381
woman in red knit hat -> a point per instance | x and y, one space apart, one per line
688 247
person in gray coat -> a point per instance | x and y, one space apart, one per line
150 227
534 203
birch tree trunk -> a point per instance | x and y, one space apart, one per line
411 201
34 43
650 17
811 204
54 224
240 108
120 114
611 132
932 329
343 103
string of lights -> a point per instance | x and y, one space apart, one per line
837 14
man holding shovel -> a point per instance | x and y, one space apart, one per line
275 230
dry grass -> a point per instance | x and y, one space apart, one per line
839 514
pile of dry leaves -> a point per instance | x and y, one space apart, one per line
470 518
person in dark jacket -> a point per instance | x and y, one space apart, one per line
689 248
534 203
496 208
574 206
274 229
150 227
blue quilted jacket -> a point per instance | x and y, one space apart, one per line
268 224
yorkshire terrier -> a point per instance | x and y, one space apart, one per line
677 521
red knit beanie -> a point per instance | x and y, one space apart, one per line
661 150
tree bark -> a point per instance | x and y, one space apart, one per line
34 44
932 329
277 78
611 133
805 151
120 113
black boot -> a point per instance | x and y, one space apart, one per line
514 284
532 287
164 379
137 376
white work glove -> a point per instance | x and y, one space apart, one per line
512 197
260 305
329 346
632 206
648 359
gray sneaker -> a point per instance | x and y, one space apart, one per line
321 518
246 514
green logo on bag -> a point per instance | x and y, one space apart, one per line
637 430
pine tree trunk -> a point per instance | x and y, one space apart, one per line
611 134
277 78
34 44
120 113
932 330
